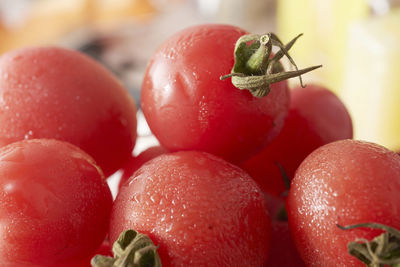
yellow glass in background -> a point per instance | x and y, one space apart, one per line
371 88
324 24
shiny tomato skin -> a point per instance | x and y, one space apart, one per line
345 182
135 162
54 203
49 92
200 210
316 117
188 107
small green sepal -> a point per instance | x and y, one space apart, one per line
383 250
255 70
132 249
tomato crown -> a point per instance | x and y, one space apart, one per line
255 67
131 249
382 250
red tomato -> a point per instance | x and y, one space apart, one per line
316 117
283 253
135 163
346 182
188 107
54 204
200 210
104 249
61 94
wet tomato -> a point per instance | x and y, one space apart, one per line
54 204
62 94
316 117
345 182
188 107
200 210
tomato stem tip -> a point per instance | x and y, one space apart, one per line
131 249
383 250
255 68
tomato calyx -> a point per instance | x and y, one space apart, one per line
132 249
383 250
255 69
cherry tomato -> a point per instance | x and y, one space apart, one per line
188 107
200 210
316 117
104 249
135 163
345 182
54 204
61 94
283 253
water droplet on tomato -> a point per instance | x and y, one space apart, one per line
28 135
135 198
169 228
163 218
8 187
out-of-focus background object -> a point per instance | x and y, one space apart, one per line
371 85
35 22
325 26
122 34
357 41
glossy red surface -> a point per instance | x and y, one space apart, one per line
54 204
200 210
188 107
316 117
62 94
346 182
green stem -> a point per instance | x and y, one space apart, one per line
132 249
257 63
255 70
383 250
260 85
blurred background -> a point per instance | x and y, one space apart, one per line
357 41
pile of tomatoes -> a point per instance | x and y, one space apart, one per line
238 180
